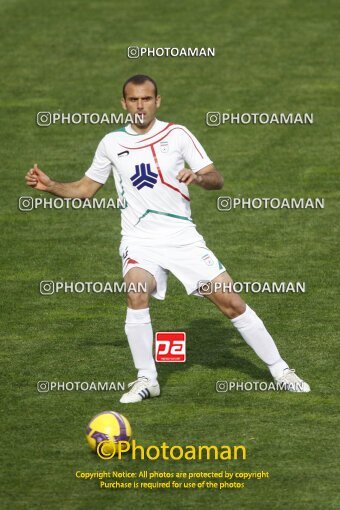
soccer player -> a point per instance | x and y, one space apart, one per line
147 159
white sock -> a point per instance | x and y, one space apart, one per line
253 331
138 330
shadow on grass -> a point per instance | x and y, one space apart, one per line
214 344
211 343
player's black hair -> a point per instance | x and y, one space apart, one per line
139 79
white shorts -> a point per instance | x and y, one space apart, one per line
189 263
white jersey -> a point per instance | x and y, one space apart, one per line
144 169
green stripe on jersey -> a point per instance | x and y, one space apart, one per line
164 214
123 192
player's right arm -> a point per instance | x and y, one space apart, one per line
84 188
87 187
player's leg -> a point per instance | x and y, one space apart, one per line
140 284
253 331
138 322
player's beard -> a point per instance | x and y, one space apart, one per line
145 123
144 120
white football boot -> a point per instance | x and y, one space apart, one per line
140 390
289 381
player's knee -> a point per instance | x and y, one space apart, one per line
233 306
138 300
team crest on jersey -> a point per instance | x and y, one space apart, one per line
164 146
208 260
144 176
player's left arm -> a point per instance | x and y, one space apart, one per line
208 177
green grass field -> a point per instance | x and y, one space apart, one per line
270 57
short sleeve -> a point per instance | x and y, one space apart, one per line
101 166
192 151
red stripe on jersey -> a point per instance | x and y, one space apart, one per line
161 131
161 175
154 143
130 261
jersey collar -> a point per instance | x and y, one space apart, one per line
153 130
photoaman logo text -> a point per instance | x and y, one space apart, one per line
107 449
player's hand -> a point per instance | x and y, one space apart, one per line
187 176
36 179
